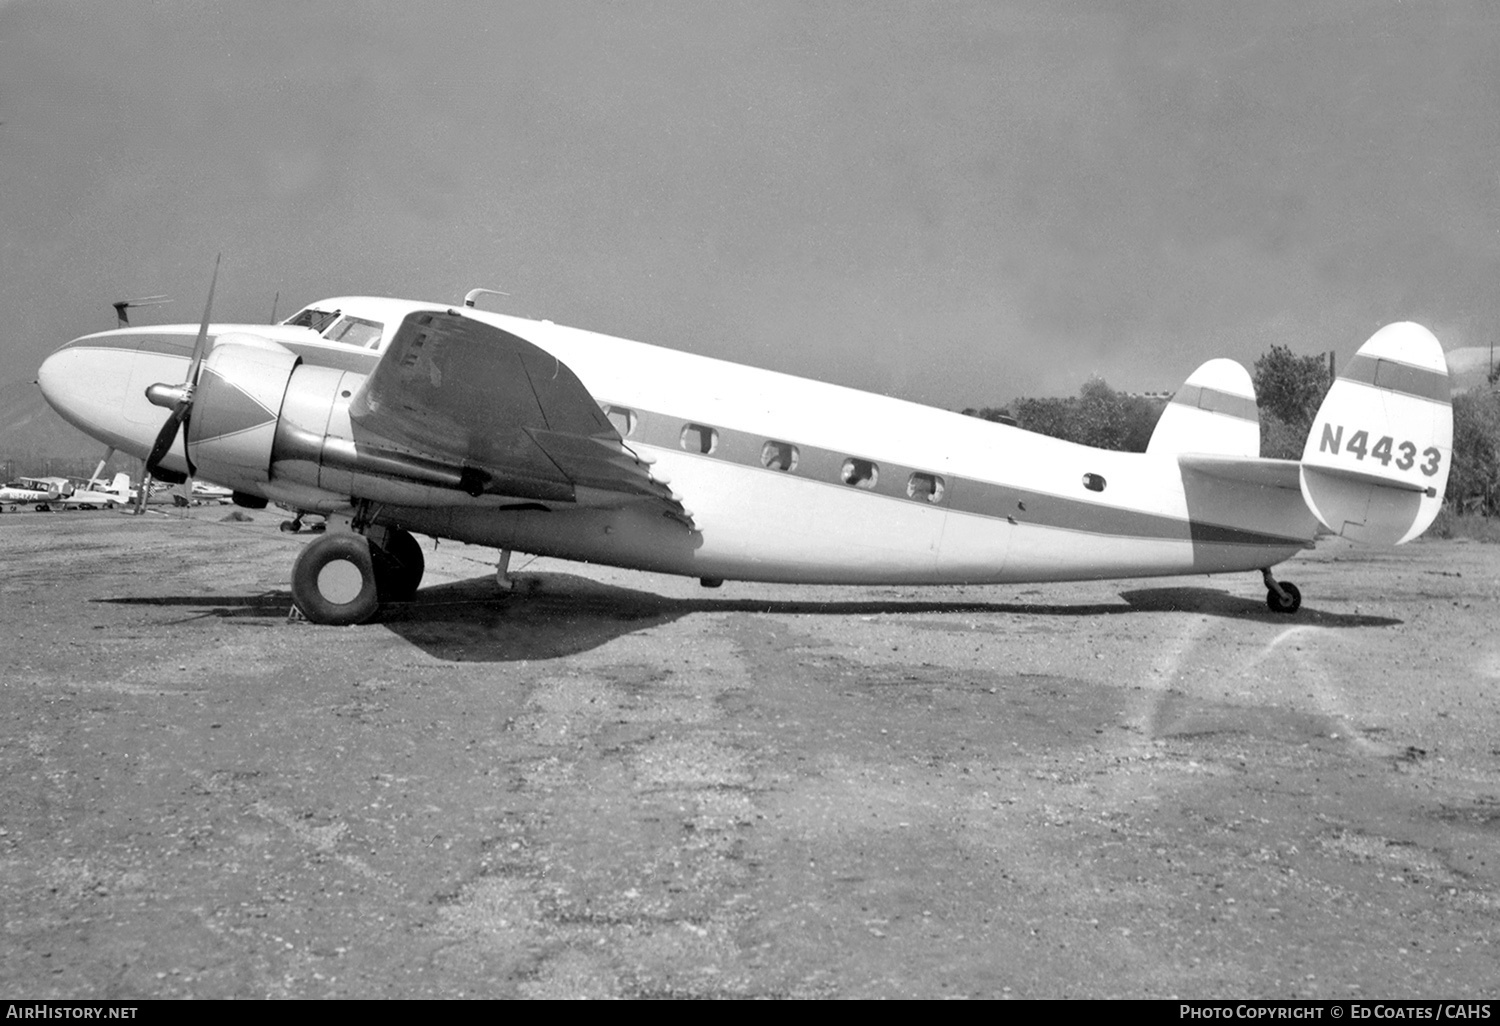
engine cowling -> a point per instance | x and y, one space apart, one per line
236 405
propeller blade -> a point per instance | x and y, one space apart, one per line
182 396
202 341
166 436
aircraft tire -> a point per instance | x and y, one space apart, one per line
333 580
399 566
1290 604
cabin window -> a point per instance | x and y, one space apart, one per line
356 331
700 438
778 456
1093 482
312 318
860 473
624 420
926 487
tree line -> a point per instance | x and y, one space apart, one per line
1289 389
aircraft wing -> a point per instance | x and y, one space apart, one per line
456 391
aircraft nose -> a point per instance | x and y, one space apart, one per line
89 383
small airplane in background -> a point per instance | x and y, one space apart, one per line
193 492
40 492
48 493
392 417
204 492
98 494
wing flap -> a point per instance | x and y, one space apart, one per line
595 462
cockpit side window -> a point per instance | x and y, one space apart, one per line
313 318
356 331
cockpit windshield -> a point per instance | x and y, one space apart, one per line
356 331
313 318
351 331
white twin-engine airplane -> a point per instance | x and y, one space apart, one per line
394 417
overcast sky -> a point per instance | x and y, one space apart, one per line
951 202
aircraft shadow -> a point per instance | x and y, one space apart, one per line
1214 602
553 615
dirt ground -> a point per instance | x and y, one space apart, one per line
618 784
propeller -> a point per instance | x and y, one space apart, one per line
179 398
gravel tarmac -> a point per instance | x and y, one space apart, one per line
613 784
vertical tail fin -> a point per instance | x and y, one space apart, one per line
1214 412
121 486
1376 463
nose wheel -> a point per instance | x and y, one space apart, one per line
1281 596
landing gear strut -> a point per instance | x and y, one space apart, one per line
342 578
1281 596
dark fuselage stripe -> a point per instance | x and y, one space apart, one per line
1392 376
964 495
1215 400
332 355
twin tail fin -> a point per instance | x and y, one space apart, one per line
1376 463
1213 413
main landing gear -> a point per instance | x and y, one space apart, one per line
344 577
1281 596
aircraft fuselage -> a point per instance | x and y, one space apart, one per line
786 479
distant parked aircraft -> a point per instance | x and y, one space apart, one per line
97 494
40 491
47 493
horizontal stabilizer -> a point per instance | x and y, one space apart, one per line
1375 466
1359 477
1213 412
1254 470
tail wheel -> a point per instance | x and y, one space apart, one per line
333 580
399 566
1288 602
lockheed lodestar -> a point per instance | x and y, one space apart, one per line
396 418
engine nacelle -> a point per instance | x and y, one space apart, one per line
236 405
316 449
267 424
